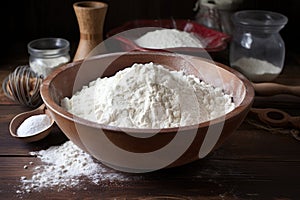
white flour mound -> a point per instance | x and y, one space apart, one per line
168 38
149 96
257 70
63 167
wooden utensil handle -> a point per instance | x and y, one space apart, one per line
295 121
131 45
271 116
276 117
270 89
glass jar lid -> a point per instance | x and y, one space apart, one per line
259 19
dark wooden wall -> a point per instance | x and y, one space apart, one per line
23 21
289 8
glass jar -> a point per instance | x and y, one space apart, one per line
208 15
46 54
257 49
216 14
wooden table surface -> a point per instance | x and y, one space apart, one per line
254 163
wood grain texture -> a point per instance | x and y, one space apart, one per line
252 164
206 179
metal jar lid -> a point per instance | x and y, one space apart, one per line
48 47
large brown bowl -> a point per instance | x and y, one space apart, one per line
143 150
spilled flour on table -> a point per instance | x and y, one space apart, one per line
65 166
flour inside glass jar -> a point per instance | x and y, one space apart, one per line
257 70
149 96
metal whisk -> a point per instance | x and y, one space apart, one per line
23 86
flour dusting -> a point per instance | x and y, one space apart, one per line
65 166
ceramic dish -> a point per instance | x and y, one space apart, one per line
215 41
143 150
20 118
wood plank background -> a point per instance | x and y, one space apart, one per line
31 19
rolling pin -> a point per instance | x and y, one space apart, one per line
270 89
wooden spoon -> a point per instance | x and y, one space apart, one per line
19 119
276 117
270 89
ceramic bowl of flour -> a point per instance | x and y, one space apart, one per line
184 36
136 141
